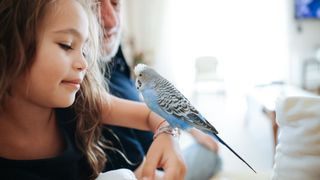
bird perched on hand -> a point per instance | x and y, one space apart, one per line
165 100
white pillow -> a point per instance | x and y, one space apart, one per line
298 150
119 174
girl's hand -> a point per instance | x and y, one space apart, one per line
164 153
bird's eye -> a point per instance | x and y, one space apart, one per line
140 75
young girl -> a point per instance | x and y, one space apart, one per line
52 100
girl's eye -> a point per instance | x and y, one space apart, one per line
65 46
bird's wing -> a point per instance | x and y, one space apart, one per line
173 102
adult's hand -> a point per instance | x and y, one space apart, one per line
204 139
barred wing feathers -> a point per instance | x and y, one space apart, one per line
173 102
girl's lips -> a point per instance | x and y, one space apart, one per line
72 83
75 81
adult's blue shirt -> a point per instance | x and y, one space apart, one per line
133 143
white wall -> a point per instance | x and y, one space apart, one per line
248 37
257 41
147 22
304 39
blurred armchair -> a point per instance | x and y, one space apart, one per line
311 75
208 78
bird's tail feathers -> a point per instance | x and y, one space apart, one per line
222 142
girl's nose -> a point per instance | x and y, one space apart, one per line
81 64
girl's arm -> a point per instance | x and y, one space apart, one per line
121 112
164 151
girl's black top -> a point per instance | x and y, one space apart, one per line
70 164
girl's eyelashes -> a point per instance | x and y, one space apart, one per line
65 46
68 47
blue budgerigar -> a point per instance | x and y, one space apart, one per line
165 100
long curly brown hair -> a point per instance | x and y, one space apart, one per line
19 22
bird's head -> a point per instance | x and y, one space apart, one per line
145 76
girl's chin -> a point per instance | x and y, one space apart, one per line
67 103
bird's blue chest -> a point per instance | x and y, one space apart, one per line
150 98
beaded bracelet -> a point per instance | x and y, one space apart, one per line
168 130
163 121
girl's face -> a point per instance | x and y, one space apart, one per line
60 64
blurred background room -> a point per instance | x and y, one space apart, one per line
231 59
